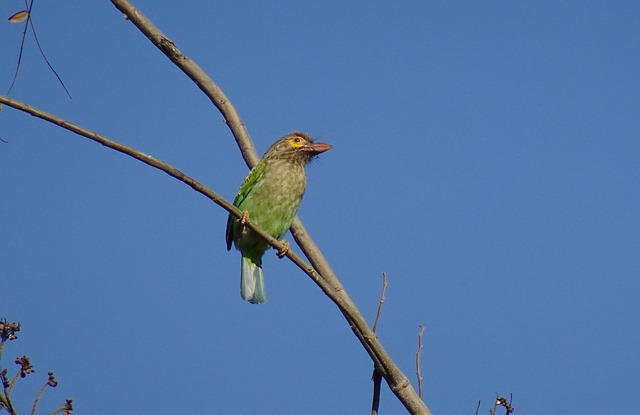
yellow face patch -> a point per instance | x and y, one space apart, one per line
297 141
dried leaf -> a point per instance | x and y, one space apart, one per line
19 17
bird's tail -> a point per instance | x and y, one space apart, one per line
252 281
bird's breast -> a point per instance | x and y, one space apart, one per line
274 200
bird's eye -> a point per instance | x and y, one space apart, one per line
297 141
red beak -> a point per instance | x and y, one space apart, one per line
317 148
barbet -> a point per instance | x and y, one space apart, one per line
269 196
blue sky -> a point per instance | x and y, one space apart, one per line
485 157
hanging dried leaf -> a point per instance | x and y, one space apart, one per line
19 17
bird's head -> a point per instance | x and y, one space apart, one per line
297 147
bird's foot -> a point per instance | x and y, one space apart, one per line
283 251
244 218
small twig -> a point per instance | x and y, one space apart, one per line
38 396
35 36
377 382
377 375
50 382
24 36
418 353
478 408
384 290
12 384
5 403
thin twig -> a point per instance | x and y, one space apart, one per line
384 290
5 403
35 36
377 382
377 376
418 353
8 392
24 36
38 396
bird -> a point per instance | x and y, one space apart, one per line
269 196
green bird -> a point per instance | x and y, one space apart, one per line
269 196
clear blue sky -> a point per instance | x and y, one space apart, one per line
486 156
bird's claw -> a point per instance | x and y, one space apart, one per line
283 251
244 218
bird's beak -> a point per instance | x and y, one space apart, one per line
317 148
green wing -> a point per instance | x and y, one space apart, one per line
247 185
